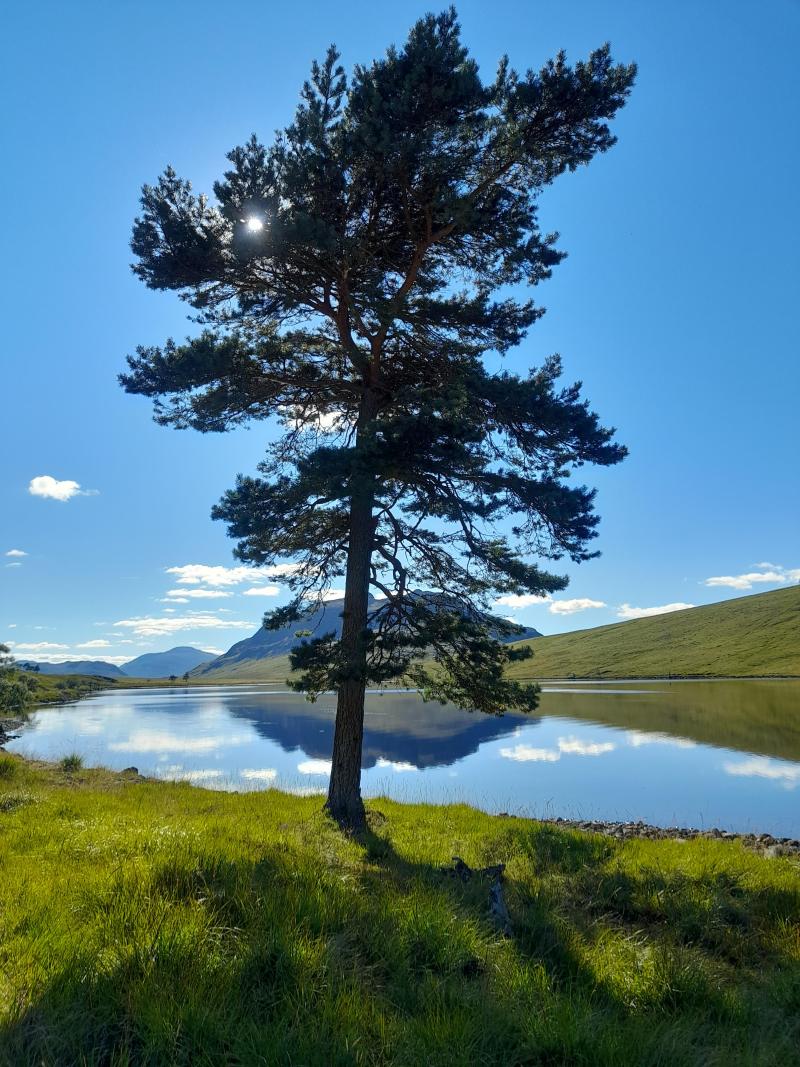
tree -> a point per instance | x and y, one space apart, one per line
15 688
350 279
185 676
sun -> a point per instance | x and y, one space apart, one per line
254 224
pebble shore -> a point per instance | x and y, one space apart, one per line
763 843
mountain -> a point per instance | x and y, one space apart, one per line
747 637
163 664
77 666
262 657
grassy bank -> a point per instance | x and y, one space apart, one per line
748 637
154 923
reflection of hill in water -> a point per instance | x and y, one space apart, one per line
752 716
397 727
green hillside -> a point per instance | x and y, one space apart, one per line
750 636
741 638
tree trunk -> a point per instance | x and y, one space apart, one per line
344 792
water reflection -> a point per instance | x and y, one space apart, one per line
400 731
754 716
724 754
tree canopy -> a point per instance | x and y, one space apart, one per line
350 279
14 686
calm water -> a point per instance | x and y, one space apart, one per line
721 754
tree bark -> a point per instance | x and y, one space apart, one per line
344 792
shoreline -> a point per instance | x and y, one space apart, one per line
764 844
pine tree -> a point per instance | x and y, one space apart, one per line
350 279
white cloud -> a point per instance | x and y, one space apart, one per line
522 600
328 419
333 594
259 774
196 594
149 626
763 767
569 607
14 564
315 766
45 486
262 590
39 646
626 611
201 574
12 626
325 420
95 644
744 581
173 600
16 552
765 574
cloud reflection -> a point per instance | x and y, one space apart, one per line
395 765
259 774
315 766
164 741
567 746
637 738
788 774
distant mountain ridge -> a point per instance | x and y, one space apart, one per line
176 661
76 666
247 658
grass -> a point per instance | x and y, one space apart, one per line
747 637
59 688
71 764
158 923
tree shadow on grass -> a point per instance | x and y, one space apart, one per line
291 958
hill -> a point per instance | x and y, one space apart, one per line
742 638
264 656
77 666
162 664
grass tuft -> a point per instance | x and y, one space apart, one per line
72 763
9 767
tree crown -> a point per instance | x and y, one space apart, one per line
350 279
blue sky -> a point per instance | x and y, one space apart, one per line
677 306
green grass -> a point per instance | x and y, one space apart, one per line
72 763
59 688
157 923
747 637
